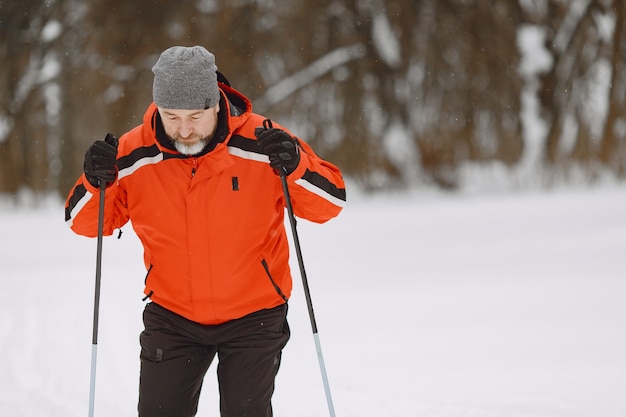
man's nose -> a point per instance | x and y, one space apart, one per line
185 129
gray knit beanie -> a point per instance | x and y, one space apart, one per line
185 78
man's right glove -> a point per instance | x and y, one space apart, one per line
100 164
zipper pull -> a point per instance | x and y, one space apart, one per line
193 169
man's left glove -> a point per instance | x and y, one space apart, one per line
100 161
280 147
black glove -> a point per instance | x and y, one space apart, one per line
100 164
280 147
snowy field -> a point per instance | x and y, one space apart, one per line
427 306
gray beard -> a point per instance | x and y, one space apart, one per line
190 150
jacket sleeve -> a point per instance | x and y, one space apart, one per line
316 187
82 206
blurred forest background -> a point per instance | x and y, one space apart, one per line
398 93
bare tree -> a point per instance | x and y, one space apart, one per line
612 148
582 95
23 117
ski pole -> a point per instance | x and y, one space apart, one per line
307 293
96 303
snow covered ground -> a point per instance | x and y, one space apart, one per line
427 305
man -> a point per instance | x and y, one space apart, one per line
199 182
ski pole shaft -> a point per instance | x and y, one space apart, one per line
96 303
307 292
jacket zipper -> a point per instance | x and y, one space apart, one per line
195 165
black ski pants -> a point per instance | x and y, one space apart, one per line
176 354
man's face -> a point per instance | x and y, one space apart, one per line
190 130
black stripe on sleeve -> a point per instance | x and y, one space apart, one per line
244 143
79 192
137 154
324 184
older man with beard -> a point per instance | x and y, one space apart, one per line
198 181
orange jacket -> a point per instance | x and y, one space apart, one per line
212 227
